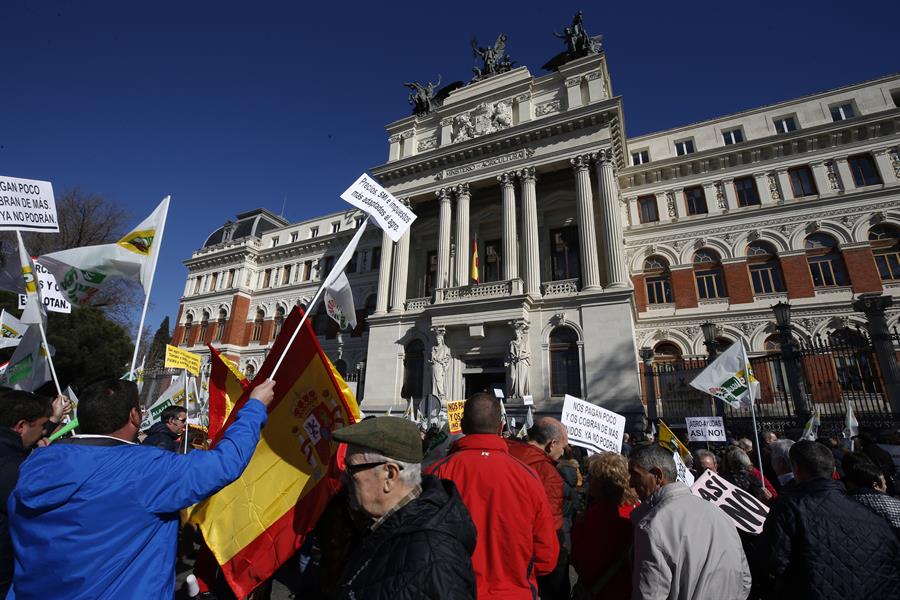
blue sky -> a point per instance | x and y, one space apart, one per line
232 105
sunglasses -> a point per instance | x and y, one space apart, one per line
357 468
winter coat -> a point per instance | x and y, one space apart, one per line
161 436
568 470
422 551
601 544
817 543
101 515
545 467
686 548
12 453
516 536
881 504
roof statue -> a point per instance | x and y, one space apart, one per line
494 59
424 99
578 43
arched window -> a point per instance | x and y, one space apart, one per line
658 280
825 262
188 324
413 370
666 353
723 344
708 275
772 344
565 367
765 271
279 321
204 327
885 240
257 325
220 324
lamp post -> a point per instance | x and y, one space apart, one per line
709 339
782 311
646 353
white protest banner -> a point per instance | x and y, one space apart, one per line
11 330
27 205
705 429
684 474
591 426
53 298
498 393
528 400
390 214
748 513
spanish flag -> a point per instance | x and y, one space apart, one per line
669 441
258 522
474 274
226 385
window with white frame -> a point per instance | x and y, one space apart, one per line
640 157
840 112
733 136
785 124
313 232
335 227
683 147
274 241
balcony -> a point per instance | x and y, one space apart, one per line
492 289
563 287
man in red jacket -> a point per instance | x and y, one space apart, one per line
517 538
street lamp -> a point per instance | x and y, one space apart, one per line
709 337
646 353
782 312
789 359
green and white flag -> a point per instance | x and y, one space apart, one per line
730 377
339 302
11 330
82 272
174 395
811 429
28 369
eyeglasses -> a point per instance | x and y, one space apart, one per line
354 469
180 420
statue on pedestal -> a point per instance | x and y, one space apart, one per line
440 364
422 97
519 362
578 43
494 59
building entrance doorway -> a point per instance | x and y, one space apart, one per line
483 382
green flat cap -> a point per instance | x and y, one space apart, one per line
394 437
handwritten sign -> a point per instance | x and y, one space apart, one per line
27 205
390 214
528 400
454 415
591 426
51 295
748 513
705 429
176 358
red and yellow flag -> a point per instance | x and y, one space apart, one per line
226 385
474 274
258 522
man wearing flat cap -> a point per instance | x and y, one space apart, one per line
420 539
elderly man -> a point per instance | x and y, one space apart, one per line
420 538
703 460
779 458
684 546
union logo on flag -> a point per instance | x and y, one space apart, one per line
138 242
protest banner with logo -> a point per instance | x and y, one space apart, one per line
748 513
51 295
391 215
174 395
27 205
591 426
176 358
11 330
705 429
454 415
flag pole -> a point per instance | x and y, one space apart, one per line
187 405
158 243
49 358
747 370
336 269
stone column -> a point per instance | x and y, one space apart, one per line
384 274
401 273
844 174
709 193
462 234
443 274
530 245
784 182
730 195
820 176
510 245
662 207
611 220
590 269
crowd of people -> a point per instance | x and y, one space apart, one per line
427 514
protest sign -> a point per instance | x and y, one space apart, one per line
53 298
27 205
390 214
705 429
176 358
748 513
454 415
683 474
528 400
591 426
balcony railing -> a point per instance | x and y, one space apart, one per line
418 303
492 289
563 287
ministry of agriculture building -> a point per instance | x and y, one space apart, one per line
590 245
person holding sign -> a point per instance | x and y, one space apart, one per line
684 547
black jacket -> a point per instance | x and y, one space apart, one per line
423 551
162 437
12 453
818 543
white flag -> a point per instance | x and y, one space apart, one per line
34 308
339 302
811 429
730 377
11 330
28 369
174 395
81 272
851 425
70 394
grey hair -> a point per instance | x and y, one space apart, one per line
781 454
737 460
410 473
654 456
701 453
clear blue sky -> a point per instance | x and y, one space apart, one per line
228 106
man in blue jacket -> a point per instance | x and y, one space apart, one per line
99 514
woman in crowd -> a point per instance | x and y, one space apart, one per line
737 468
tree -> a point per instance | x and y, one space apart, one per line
156 356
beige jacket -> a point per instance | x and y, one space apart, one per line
686 548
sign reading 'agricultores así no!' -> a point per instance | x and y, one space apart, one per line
27 205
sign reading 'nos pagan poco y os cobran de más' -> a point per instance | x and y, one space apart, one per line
27 205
